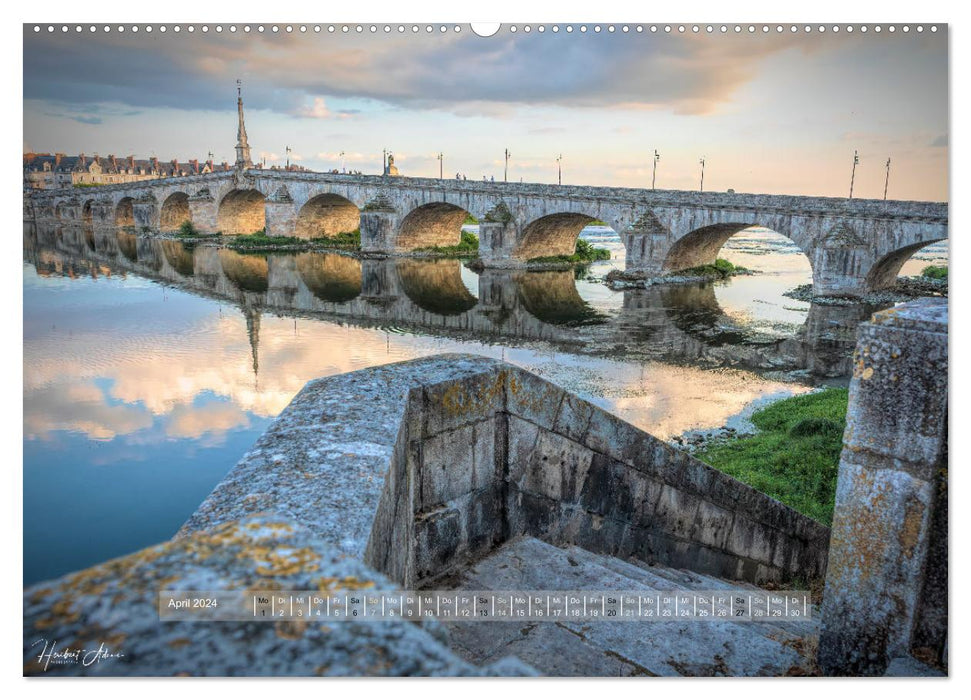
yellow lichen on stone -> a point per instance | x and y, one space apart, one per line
290 629
349 583
913 522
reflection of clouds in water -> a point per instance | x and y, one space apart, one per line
163 374
170 381
194 422
664 400
79 406
159 352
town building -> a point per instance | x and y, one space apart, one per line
47 171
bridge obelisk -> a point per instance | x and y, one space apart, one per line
243 159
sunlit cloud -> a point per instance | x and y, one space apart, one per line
772 111
316 110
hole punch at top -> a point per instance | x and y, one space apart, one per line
485 29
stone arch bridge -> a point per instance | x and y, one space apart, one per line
854 246
675 323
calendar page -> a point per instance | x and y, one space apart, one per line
561 349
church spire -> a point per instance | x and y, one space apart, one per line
243 159
253 332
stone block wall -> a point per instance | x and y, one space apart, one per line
579 475
377 231
204 212
502 453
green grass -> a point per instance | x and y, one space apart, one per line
583 253
794 457
935 272
188 230
260 241
720 269
468 245
346 239
470 220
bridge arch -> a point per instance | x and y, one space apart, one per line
436 286
553 234
249 273
883 273
702 245
327 214
551 296
242 212
175 211
331 277
87 213
432 224
125 212
180 259
127 244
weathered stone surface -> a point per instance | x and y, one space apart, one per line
255 553
880 589
617 648
418 468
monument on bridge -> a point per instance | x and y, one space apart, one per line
243 160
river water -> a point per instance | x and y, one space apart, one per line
150 367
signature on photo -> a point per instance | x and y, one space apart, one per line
50 654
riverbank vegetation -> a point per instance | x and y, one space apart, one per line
721 269
935 272
794 456
346 239
467 246
585 252
260 241
350 240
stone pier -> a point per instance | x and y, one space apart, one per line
886 586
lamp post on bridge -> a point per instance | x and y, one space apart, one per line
886 183
559 169
288 157
657 157
384 161
342 161
856 161
505 172
702 161
441 165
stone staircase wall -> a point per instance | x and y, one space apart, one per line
502 453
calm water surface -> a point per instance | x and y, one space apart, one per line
150 368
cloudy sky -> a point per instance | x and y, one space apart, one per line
775 113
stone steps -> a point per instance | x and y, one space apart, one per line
693 581
601 648
664 578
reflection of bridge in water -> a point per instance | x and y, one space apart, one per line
683 324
